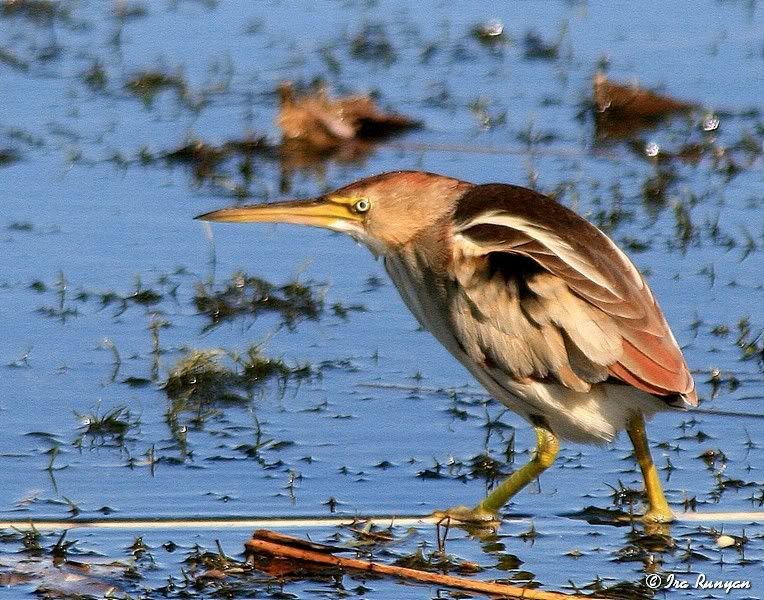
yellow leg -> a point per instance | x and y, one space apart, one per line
546 451
658 509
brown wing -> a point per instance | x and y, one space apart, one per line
585 286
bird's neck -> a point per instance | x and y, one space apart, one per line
429 250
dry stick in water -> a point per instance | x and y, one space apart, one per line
294 548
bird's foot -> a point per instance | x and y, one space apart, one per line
464 516
658 516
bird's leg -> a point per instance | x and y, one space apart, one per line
658 509
546 451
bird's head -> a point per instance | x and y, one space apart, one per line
383 212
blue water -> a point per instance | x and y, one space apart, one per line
79 203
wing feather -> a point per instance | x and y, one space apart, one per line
587 288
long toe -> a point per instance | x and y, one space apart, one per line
658 516
464 515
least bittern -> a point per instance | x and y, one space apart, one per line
538 304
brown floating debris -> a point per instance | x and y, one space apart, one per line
286 551
631 101
622 109
316 127
63 578
325 124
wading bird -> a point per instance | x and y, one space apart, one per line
538 304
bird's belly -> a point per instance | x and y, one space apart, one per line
593 417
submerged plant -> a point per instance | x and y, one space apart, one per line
36 11
373 44
200 375
147 84
203 380
110 428
8 155
536 48
248 295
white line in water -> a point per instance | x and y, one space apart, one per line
703 517
215 523
304 522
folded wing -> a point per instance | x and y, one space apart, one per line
592 316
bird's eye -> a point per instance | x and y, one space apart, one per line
361 205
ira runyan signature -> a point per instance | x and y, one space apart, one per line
667 581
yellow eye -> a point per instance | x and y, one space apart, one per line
361 205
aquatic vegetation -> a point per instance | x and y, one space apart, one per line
146 85
248 295
113 137
95 77
125 10
110 428
13 60
25 226
487 119
62 310
536 48
437 562
199 375
373 44
201 381
685 230
37 11
8 156
751 345
343 312
206 161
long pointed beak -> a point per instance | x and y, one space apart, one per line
326 212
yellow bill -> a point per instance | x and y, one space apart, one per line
327 212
